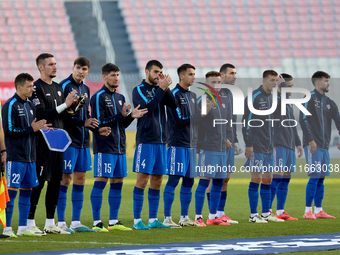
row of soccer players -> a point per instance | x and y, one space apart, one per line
110 117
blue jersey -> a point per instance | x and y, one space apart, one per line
212 138
106 107
78 133
260 138
152 127
285 136
183 121
318 126
20 139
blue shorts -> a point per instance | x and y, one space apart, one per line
231 160
109 165
260 162
212 164
284 160
21 175
182 161
150 159
318 163
77 160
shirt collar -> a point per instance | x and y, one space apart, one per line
264 92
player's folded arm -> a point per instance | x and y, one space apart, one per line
140 99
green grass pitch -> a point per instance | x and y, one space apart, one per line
237 208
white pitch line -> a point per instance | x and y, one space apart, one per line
74 242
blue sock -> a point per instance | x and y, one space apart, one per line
320 188
24 206
169 194
265 197
275 183
10 207
77 201
253 194
153 197
185 195
115 198
215 195
138 199
223 200
311 189
96 198
62 201
208 198
282 192
200 195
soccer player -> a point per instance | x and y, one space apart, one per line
50 103
228 76
183 123
214 140
109 108
259 149
77 157
20 125
317 130
285 141
150 154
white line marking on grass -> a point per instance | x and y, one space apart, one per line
74 242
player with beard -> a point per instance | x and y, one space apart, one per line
317 129
150 155
109 108
50 103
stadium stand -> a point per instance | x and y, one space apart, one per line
250 34
28 28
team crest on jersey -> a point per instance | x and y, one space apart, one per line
59 93
328 107
120 102
36 101
31 111
193 100
261 100
85 94
223 105
19 107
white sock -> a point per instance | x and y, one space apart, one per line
135 221
212 216
152 220
253 215
317 209
96 222
266 214
75 223
30 223
308 208
184 218
279 212
112 222
61 223
49 222
167 219
22 228
198 216
220 214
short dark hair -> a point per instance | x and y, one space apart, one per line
21 79
225 67
82 61
40 60
319 75
152 63
183 68
212 74
109 67
268 73
287 77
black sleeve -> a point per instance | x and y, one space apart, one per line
38 98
